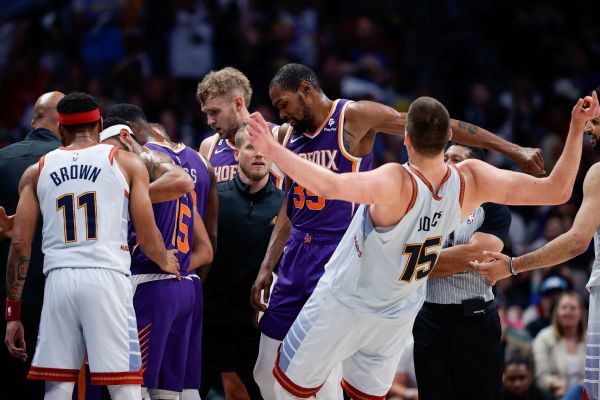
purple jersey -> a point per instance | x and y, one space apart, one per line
226 166
195 165
325 147
175 221
222 159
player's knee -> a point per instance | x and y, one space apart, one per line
59 390
125 392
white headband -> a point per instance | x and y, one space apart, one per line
114 131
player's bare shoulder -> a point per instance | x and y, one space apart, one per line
282 132
30 176
207 144
591 183
130 164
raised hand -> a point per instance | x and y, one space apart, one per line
259 134
586 109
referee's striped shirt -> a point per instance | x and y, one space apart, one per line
489 218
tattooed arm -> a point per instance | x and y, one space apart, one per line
28 212
471 135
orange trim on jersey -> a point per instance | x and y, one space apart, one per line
290 386
81 383
414 194
426 182
111 155
228 143
311 135
212 146
41 164
462 185
53 374
126 193
357 394
117 378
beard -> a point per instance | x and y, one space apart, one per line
255 176
305 123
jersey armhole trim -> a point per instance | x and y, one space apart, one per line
111 155
41 164
462 185
341 145
212 146
415 188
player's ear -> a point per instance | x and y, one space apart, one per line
238 103
305 88
450 135
406 138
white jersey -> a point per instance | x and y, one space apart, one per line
595 277
378 270
84 202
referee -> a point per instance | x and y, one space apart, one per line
457 332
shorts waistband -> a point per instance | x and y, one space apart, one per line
454 308
313 237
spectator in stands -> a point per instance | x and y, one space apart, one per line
517 381
550 289
559 350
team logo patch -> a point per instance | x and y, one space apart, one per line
75 156
471 219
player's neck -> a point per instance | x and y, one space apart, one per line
434 169
321 108
83 139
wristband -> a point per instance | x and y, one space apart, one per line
13 310
510 266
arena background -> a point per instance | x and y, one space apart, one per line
515 68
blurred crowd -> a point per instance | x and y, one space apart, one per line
514 68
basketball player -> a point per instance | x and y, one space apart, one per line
362 311
563 248
225 96
339 136
83 192
170 366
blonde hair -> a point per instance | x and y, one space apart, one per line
223 82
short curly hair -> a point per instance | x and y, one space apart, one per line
223 82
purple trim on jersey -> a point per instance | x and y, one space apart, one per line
312 213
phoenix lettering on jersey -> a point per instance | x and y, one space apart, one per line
85 171
225 173
324 158
191 172
426 222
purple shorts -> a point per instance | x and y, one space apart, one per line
301 267
164 311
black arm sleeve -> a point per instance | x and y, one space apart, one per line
496 222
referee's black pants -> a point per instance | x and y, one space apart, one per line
457 357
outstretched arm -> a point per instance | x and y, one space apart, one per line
377 186
28 212
365 118
568 245
488 183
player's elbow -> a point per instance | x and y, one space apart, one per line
578 244
185 183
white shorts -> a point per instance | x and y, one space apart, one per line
88 309
326 333
592 349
